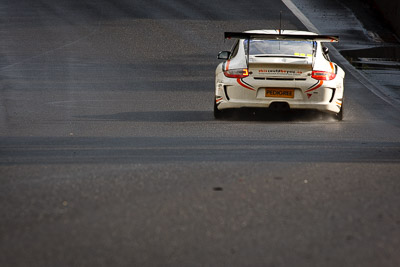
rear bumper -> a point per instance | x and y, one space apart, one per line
326 97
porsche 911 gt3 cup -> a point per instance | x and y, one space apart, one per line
278 70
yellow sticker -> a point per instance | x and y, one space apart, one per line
302 54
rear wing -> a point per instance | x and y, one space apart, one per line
287 37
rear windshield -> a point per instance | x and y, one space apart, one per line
273 47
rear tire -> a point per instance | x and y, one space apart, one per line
339 116
218 114
221 114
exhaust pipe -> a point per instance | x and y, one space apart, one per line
279 106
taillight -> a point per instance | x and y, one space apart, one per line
323 75
236 73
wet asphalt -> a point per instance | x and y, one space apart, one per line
110 155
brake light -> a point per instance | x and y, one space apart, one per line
323 75
236 73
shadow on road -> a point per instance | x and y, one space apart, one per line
198 116
154 116
276 116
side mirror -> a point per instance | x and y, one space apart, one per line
224 55
325 50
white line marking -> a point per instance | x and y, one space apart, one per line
303 19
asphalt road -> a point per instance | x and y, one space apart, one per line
110 156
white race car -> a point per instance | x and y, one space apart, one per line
279 70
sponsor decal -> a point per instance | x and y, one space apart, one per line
314 87
333 68
275 92
245 85
302 54
279 71
227 65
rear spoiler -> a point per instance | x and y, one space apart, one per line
288 37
